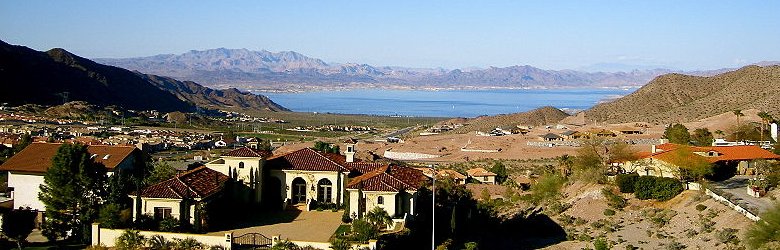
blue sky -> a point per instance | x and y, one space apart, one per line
450 34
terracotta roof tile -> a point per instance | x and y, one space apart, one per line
390 178
36 158
248 152
200 182
725 153
479 172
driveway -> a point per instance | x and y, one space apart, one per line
737 186
316 226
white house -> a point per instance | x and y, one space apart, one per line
27 168
179 196
391 187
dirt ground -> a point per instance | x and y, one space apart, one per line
639 225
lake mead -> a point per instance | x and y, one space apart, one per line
442 103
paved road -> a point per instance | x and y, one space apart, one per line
400 132
737 186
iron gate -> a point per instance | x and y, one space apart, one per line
251 241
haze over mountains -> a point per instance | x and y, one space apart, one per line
58 76
264 70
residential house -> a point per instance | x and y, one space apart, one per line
551 137
481 175
445 173
665 159
246 166
180 196
390 187
27 168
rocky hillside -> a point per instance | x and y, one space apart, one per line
539 116
212 98
681 98
57 76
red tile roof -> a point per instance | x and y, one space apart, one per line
725 153
36 158
248 152
479 172
201 183
390 178
311 160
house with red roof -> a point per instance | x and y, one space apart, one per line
390 187
179 196
27 168
666 159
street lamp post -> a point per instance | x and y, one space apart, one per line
433 209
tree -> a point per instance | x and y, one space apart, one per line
764 231
18 224
326 147
565 163
765 119
161 171
720 133
378 217
23 142
691 166
500 170
702 137
738 113
596 155
71 191
677 134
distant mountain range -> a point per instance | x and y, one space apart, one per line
682 98
264 70
57 76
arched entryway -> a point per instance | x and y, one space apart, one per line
272 192
298 190
325 191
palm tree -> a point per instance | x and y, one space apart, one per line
720 133
765 118
738 113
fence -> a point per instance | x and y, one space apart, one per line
724 200
371 245
107 237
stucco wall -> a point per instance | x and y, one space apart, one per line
148 205
26 189
107 237
311 178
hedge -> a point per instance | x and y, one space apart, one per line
625 182
659 188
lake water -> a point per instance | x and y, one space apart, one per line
444 103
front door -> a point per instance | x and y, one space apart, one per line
299 190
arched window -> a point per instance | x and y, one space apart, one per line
325 191
241 164
380 200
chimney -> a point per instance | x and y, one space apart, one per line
350 152
652 150
773 131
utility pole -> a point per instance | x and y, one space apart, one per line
433 210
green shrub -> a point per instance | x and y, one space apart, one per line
130 240
613 200
471 245
169 224
363 231
609 212
186 244
659 188
110 216
600 244
339 244
625 182
700 207
159 242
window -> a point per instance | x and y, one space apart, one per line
325 191
162 213
380 200
241 164
485 178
